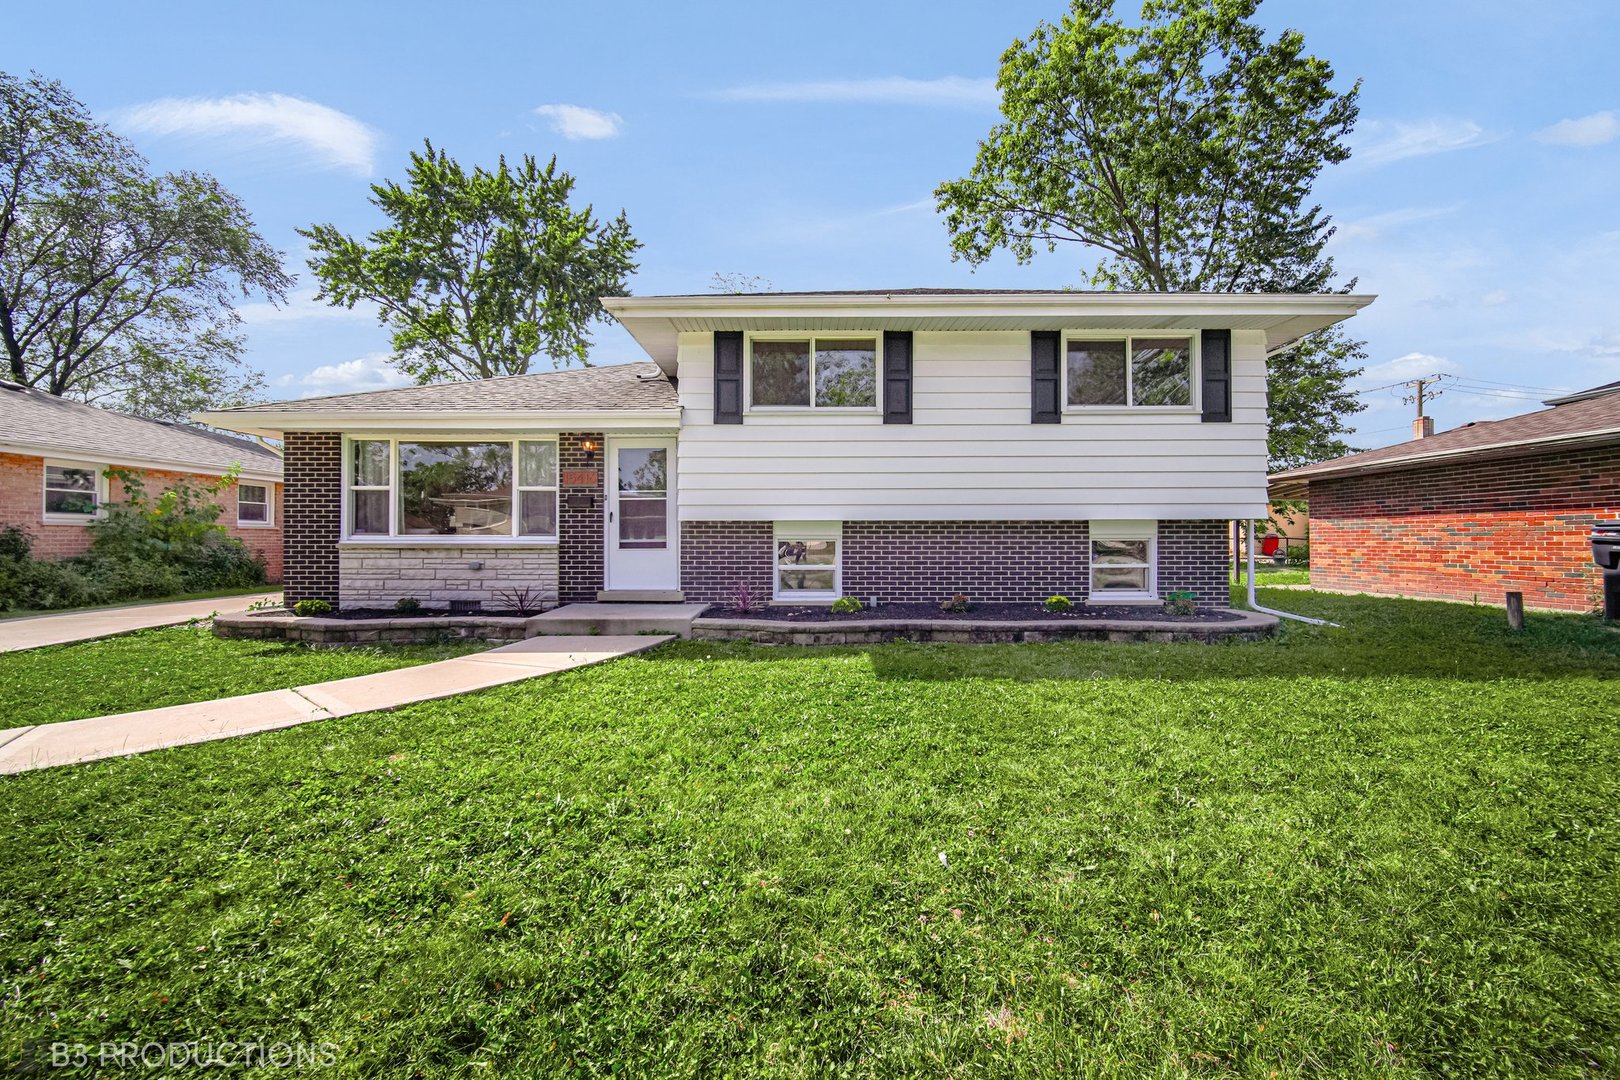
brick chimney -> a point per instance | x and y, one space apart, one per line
1423 427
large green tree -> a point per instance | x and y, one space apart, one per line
116 285
1182 147
479 272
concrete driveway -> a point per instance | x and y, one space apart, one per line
35 631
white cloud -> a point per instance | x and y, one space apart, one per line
301 306
953 91
373 371
323 135
1494 298
1375 225
1396 141
1594 130
578 122
1411 366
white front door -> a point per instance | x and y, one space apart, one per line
641 514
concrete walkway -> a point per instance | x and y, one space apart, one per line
617 618
73 741
34 631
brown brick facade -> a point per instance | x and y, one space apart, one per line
313 471
580 534
1470 530
22 486
717 556
927 561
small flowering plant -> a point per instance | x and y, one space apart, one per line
957 604
1059 605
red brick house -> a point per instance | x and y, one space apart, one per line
1471 513
55 453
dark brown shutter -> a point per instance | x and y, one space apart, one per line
728 376
897 376
1046 379
1216 352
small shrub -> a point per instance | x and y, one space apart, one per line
522 599
1059 605
1181 604
407 605
845 605
312 606
1299 554
742 598
46 585
957 604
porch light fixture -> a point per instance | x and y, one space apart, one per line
590 446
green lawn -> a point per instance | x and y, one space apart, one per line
28 613
1393 847
1272 574
174 665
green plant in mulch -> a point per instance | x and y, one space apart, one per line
1059 605
312 606
957 604
845 605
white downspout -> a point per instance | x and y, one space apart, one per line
1255 604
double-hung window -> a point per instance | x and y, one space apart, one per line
72 491
807 560
253 504
833 371
1123 560
425 488
1129 371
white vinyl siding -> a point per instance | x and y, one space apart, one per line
971 451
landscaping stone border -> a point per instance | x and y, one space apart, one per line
314 630
1249 626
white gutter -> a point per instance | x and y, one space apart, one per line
1255 604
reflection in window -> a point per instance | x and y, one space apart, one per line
71 490
643 497
825 372
461 489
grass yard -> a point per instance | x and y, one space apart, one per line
171 666
1391 848
1272 574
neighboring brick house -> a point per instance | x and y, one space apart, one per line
897 446
55 455
1472 513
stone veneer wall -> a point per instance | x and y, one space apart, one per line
312 503
928 561
581 536
374 576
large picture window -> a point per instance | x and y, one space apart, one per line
1130 371
833 372
452 488
807 560
72 491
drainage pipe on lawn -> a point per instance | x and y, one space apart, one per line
1255 604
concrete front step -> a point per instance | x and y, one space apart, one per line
617 619
641 596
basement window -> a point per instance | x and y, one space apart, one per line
807 560
1124 560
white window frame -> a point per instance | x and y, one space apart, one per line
875 409
50 517
807 530
269 504
394 538
1195 362
1122 530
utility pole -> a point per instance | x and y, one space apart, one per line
1423 426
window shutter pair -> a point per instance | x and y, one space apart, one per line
1046 376
728 377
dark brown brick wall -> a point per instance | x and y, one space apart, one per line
927 561
991 561
718 555
312 504
580 537
1193 558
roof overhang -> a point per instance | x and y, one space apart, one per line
249 470
274 421
656 322
1293 483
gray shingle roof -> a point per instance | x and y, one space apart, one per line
615 387
32 418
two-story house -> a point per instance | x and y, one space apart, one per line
893 446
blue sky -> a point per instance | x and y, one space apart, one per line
801 143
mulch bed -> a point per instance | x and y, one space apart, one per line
420 613
980 613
